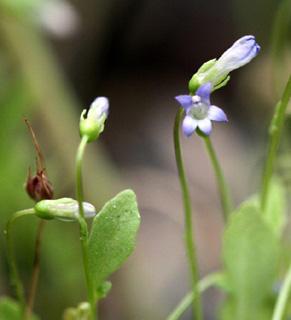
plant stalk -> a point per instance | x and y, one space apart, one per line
15 278
226 201
282 299
275 131
189 234
84 229
35 272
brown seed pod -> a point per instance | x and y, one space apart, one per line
38 187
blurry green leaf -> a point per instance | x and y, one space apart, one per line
227 311
104 289
10 310
275 210
275 207
251 258
82 312
113 235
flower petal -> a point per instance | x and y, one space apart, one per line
239 54
185 101
189 125
216 114
98 107
204 92
205 126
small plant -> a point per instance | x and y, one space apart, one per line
105 247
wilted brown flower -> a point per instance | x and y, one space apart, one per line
38 187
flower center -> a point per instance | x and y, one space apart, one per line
199 109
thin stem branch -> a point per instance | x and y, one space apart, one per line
275 133
282 299
15 278
84 228
189 235
35 272
222 186
186 302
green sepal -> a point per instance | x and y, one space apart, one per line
91 127
103 290
199 77
221 83
113 235
11 310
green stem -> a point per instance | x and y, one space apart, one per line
222 186
282 300
182 307
35 271
15 278
275 133
192 260
280 34
84 228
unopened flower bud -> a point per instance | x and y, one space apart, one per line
63 209
217 71
93 124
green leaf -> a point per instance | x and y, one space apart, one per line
275 208
251 257
10 310
113 235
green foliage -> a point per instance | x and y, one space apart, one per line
113 235
251 255
10 310
275 208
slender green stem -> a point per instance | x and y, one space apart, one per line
15 278
275 133
191 251
84 228
282 300
186 302
222 186
35 271
280 35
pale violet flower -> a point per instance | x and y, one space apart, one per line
216 71
199 111
92 125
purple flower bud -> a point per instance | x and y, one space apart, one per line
199 111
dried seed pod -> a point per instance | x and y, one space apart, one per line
38 187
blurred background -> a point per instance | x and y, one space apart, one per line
55 58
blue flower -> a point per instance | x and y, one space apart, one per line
199 112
